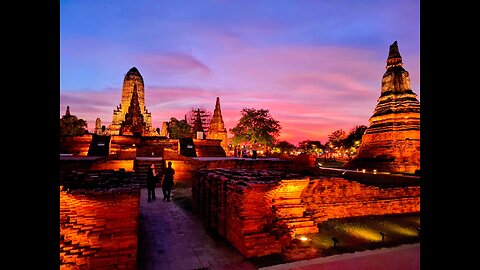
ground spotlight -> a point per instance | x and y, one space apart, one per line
383 235
335 241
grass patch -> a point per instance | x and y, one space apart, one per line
353 234
365 233
182 195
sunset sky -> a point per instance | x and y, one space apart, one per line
315 65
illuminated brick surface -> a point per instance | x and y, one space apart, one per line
99 223
260 211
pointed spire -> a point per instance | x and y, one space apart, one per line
67 113
394 57
217 104
133 71
217 113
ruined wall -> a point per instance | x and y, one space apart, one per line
334 197
185 167
260 211
122 147
209 148
99 226
154 146
76 145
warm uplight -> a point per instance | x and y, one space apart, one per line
374 171
363 170
400 229
303 238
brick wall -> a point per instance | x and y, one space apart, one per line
260 211
99 225
76 145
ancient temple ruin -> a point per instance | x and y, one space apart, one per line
217 128
392 141
197 129
98 127
133 82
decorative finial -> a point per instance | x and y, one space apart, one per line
394 57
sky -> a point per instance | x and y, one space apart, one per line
315 65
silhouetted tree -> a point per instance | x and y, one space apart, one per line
205 117
283 146
256 126
336 138
312 147
70 125
354 137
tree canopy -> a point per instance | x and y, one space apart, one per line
256 126
312 147
70 125
283 146
179 129
354 137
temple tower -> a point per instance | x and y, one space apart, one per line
133 80
98 127
164 130
392 141
217 128
197 128
134 123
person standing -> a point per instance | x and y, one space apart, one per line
167 183
151 182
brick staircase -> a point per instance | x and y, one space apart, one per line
210 151
292 215
141 164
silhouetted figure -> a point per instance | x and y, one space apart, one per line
244 151
151 182
167 184
254 154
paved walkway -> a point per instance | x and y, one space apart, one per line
404 257
173 238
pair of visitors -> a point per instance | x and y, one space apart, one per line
167 183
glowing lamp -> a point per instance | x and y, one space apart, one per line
303 238
383 235
374 171
363 170
335 241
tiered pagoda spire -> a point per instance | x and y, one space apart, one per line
392 141
217 128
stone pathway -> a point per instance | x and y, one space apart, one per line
172 238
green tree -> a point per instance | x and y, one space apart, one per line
336 138
312 147
179 129
256 126
70 125
354 137
282 147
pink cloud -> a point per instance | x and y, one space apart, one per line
177 63
312 91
